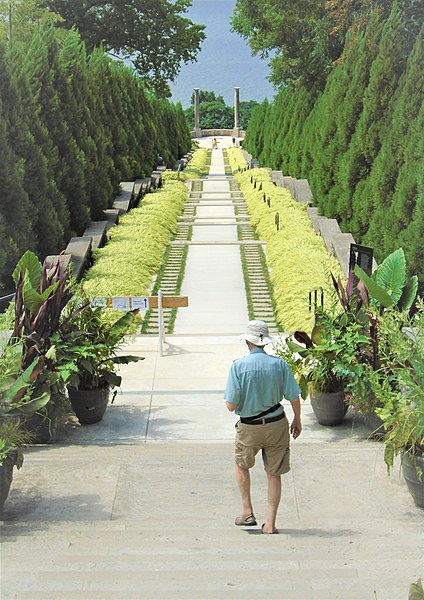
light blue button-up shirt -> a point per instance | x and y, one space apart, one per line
259 381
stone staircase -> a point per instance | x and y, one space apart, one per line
255 271
152 523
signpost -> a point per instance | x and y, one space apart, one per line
144 303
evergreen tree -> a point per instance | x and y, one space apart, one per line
47 82
26 136
407 207
15 209
81 103
366 142
378 189
253 141
294 139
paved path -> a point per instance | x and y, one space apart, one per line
214 280
142 504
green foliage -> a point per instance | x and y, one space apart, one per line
215 114
236 160
403 414
292 276
126 265
359 142
197 167
87 345
298 36
389 284
153 34
323 360
73 125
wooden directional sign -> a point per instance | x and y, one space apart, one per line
169 301
141 302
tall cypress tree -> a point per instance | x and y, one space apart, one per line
407 207
377 191
366 142
254 139
47 82
26 137
15 209
295 137
78 100
362 52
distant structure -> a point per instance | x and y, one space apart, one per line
235 132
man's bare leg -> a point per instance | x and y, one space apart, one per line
274 497
243 480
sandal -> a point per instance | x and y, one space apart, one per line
246 520
269 533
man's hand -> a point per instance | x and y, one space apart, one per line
296 428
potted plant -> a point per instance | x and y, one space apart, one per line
41 296
16 401
388 291
86 349
322 361
403 417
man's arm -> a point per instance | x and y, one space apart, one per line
296 425
231 407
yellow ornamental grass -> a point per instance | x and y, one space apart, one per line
236 160
296 255
196 168
126 265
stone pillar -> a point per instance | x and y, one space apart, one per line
236 130
197 131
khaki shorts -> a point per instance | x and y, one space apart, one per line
272 438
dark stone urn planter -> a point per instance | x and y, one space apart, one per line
410 464
89 405
329 407
6 476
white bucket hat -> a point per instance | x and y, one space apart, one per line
257 333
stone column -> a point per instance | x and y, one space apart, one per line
236 130
197 130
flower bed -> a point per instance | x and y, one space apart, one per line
296 255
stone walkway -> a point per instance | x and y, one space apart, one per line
142 504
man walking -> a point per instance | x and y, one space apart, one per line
256 385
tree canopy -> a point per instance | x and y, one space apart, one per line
153 34
216 114
304 39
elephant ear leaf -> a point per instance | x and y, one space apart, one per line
30 264
409 293
391 274
375 291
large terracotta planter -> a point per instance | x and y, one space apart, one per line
6 476
89 405
415 486
329 407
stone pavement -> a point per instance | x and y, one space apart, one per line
142 504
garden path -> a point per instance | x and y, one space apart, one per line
142 504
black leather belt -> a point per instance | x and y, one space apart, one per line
262 421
